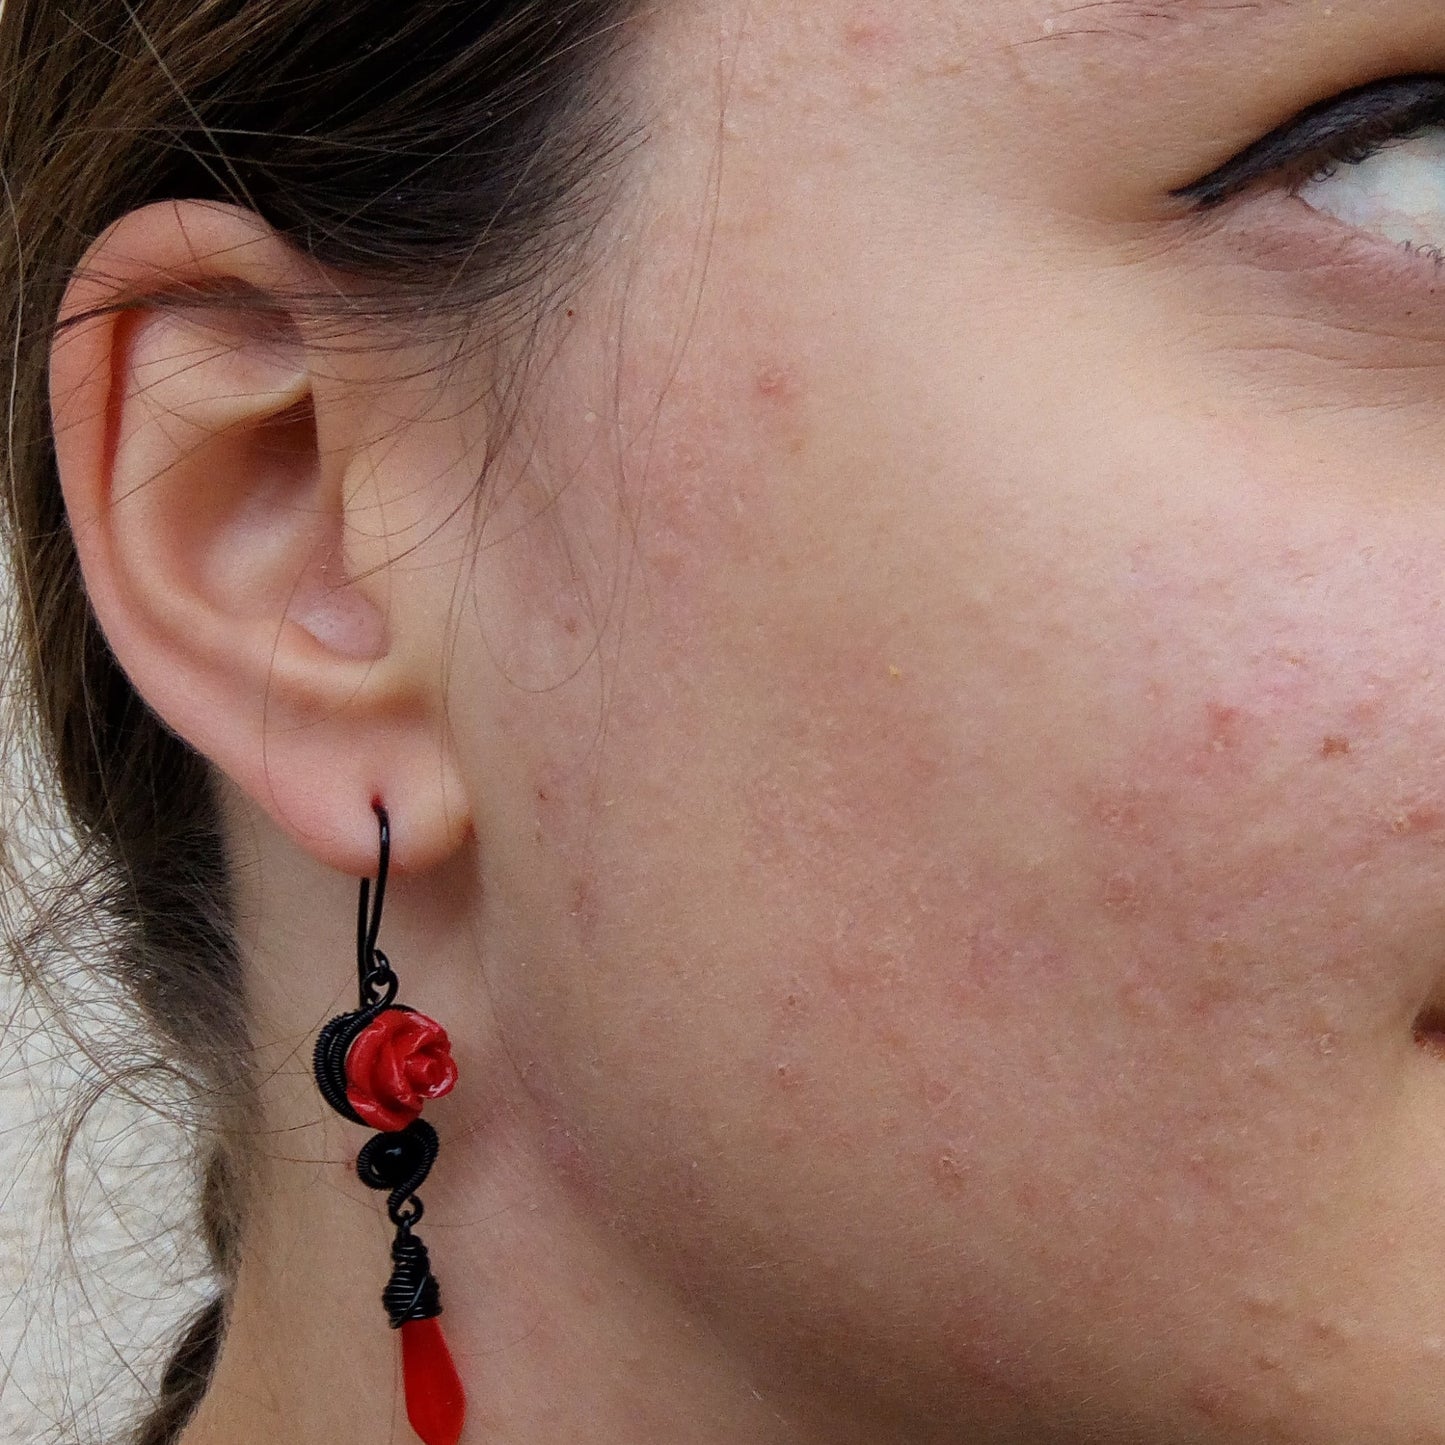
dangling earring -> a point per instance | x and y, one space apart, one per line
376 1066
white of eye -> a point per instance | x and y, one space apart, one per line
1397 193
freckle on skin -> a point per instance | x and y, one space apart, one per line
1334 747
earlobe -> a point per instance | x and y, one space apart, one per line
214 532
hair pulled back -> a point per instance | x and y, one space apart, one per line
442 155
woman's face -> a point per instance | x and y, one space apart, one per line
967 857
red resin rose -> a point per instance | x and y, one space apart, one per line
395 1064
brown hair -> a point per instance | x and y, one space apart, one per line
446 157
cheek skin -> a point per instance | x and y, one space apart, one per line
992 898
987 936
1012 1003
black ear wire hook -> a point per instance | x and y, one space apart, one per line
375 981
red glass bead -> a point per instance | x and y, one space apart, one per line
435 1402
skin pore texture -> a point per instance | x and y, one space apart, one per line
924 811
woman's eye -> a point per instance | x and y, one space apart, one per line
1373 157
1397 193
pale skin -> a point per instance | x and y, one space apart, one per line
924 814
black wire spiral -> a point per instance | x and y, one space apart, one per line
397 1161
400 1163
412 1292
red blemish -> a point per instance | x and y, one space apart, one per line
666 563
1334 747
1366 712
896 1041
1121 894
1215 995
777 383
1028 1195
1224 726
1140 1000
1417 820
867 33
1124 812
1214 1401
570 1161
949 1172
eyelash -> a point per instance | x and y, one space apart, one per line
1346 130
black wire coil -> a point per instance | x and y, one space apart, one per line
399 1162
329 1060
412 1292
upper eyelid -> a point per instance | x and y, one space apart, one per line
1374 112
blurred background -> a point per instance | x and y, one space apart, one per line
99 1261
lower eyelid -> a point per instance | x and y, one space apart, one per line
1296 262
1399 263
1323 311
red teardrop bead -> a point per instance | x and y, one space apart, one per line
435 1402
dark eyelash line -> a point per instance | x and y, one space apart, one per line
1343 131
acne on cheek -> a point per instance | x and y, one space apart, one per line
897 1020
1252 783
1280 803
1225 858
701 502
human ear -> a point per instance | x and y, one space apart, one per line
214 474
